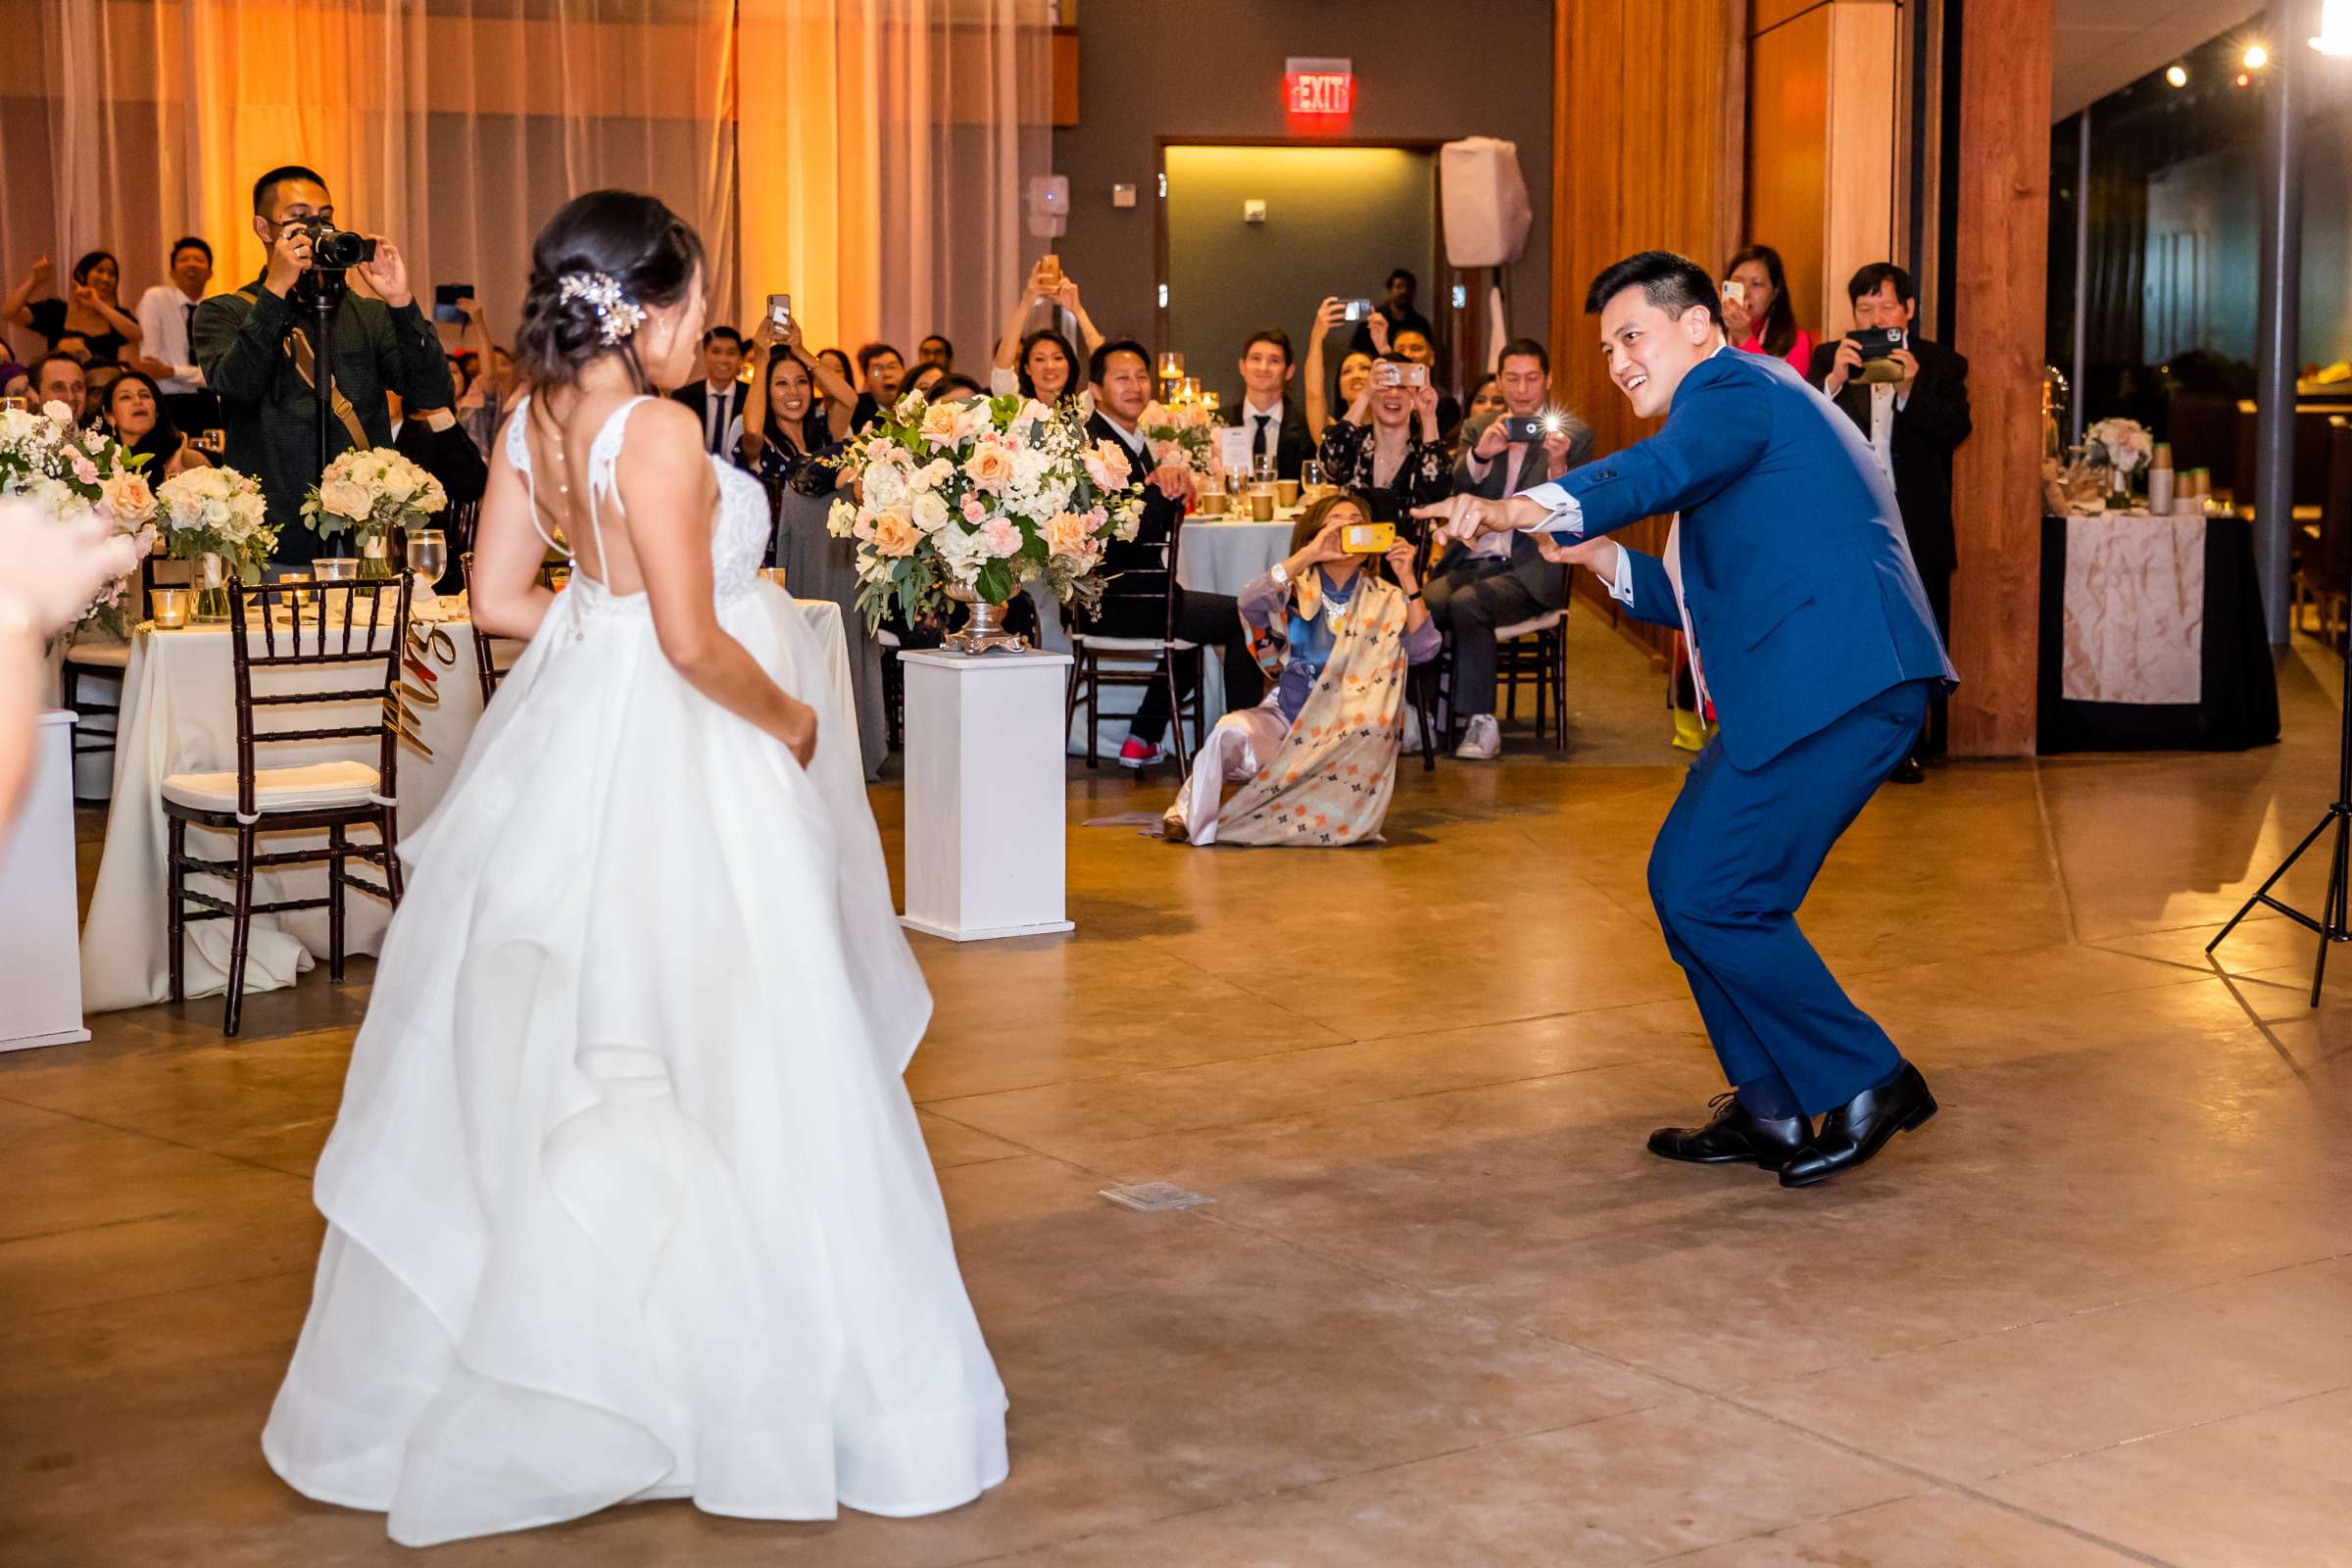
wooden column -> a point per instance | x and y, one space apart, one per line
2002 274
1648 131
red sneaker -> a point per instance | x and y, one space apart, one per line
1135 754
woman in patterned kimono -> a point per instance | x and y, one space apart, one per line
1317 760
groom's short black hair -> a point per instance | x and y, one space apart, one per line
1673 283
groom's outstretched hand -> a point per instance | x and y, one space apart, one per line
1466 516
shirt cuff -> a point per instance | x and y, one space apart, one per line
191 373
1621 586
1567 512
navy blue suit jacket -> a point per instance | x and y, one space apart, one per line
1802 595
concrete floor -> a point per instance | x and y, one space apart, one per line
1444 1310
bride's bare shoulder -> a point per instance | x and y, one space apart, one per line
662 422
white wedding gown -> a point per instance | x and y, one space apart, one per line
626 1199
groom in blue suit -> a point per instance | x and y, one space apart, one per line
1789 575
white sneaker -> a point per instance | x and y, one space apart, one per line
1482 739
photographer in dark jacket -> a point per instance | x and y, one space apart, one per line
1912 407
255 349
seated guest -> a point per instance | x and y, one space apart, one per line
135 412
166 312
1317 759
1277 427
1757 316
1486 405
880 369
15 380
936 350
1502 580
783 428
1396 315
435 440
1415 346
1121 371
1029 360
951 388
58 378
717 398
92 324
98 377
1387 447
921 379
1329 317
849 372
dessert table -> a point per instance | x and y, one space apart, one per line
2152 635
179 715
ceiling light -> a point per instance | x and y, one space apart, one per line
2177 75
2256 57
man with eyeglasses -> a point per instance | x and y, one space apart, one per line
254 347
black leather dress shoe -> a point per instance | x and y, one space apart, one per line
1909 771
1733 1137
1851 1133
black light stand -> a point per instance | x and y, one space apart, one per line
324 286
2335 916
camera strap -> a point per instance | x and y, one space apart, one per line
306 360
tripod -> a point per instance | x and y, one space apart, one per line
2335 913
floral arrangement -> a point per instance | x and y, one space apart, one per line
2123 444
369 493
217 511
1180 435
69 473
970 498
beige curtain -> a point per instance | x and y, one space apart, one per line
867 156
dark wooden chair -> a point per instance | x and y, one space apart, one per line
361 627
1151 602
486 666
1536 649
107 660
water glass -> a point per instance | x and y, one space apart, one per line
1311 478
428 554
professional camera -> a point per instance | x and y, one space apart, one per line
338 248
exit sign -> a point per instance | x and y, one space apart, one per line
1318 86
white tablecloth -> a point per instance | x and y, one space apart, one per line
2135 610
180 716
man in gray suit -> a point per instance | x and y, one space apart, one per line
1501 579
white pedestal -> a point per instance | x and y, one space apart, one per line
985 820
40 963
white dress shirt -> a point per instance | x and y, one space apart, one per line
1883 406
163 314
1272 412
718 412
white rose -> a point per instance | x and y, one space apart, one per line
885 486
929 512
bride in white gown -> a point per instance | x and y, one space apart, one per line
626 1199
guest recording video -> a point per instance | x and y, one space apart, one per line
255 351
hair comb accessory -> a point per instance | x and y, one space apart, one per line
619 315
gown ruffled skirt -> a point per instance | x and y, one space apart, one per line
626 1199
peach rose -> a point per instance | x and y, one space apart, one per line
127 495
896 535
990 467
1003 536
1067 533
1108 466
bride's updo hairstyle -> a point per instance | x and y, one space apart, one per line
649 255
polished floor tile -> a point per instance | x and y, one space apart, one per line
1439 1305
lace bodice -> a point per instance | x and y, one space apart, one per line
739 534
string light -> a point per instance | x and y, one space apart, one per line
2256 57
2177 75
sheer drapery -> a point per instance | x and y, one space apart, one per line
867 156
886 147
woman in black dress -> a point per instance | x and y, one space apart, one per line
92 318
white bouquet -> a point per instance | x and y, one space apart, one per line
2123 444
967 498
217 511
70 473
369 493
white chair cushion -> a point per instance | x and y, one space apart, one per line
1544 622
100 655
278 789
1132 645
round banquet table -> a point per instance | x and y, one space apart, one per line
180 716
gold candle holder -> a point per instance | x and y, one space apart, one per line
170 609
